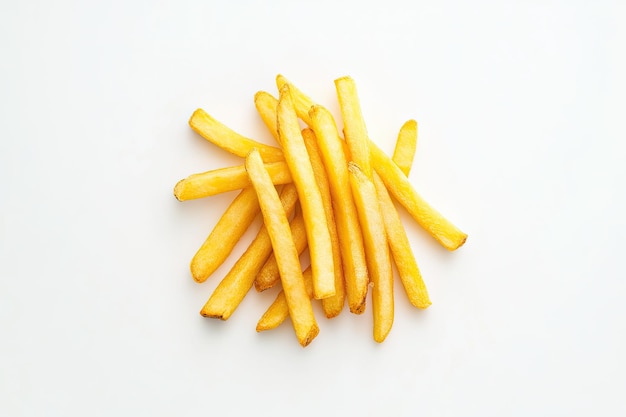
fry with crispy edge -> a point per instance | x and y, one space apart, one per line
300 308
221 180
278 311
225 235
265 104
404 152
297 158
236 284
376 251
269 275
229 140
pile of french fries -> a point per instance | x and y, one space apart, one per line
320 190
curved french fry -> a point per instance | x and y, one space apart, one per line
404 152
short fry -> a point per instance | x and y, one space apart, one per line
297 158
404 152
236 284
229 140
225 235
300 308
222 180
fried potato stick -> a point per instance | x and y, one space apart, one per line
376 251
300 308
221 180
225 235
404 152
235 285
278 311
229 140
297 158
265 104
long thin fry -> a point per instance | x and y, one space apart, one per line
278 311
301 101
221 180
404 152
236 284
399 186
318 236
300 308
265 104
225 235
376 251
229 140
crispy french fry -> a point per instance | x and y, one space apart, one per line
269 275
278 311
399 186
236 284
346 216
225 235
400 247
332 306
221 180
376 251
300 308
222 136
404 151
297 158
265 104
353 124
301 101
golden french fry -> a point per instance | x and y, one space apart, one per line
300 308
400 247
301 102
399 186
221 180
225 235
346 216
269 275
353 124
297 158
332 306
236 284
404 151
376 251
265 104
222 136
278 311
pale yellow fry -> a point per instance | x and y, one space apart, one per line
332 306
353 124
300 308
265 104
400 247
229 140
301 101
399 186
236 284
404 151
297 158
269 275
221 180
225 235
376 251
346 216
278 311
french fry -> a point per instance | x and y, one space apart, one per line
376 251
399 186
404 152
300 308
346 216
278 311
235 285
297 158
400 247
269 275
332 306
225 235
265 104
222 180
301 101
229 140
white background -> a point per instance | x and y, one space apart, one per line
521 108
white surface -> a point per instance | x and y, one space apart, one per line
521 110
